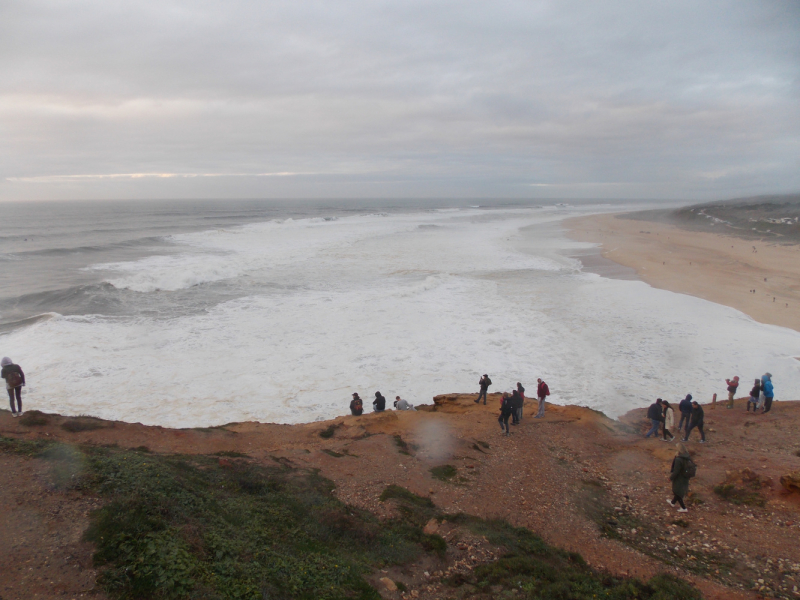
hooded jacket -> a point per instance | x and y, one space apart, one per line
766 386
685 405
9 368
680 481
697 415
379 403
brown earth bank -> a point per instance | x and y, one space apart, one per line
584 482
720 267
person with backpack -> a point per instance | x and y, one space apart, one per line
656 415
696 421
506 409
682 470
733 385
521 391
685 408
356 405
542 392
669 421
15 379
379 404
768 391
484 382
754 394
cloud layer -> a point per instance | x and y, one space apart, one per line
385 98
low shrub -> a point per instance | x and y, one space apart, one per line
34 418
82 424
444 472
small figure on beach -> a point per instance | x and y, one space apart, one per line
379 404
400 404
685 408
669 421
516 406
484 382
768 391
521 391
733 385
754 395
682 470
656 415
356 405
505 412
542 392
696 421
15 379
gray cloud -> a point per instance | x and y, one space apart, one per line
630 99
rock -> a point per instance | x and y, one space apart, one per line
431 527
388 583
680 552
791 482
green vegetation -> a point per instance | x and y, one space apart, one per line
740 494
82 424
34 418
444 472
230 454
402 445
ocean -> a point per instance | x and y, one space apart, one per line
200 313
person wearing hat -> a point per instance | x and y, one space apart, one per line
356 405
15 379
696 421
733 385
680 473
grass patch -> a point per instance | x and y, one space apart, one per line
444 472
31 448
231 454
82 424
739 495
402 445
34 418
142 449
328 432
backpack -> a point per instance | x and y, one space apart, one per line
488 382
14 378
691 469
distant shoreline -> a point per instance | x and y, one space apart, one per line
715 267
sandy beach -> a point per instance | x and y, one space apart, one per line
720 268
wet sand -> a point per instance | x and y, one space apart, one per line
720 268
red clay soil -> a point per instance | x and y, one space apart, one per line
582 481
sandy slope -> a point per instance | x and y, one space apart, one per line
720 268
566 477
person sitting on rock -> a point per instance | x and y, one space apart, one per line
400 404
379 404
356 405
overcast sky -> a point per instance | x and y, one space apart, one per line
363 98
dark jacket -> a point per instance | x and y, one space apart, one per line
379 403
680 481
356 407
516 400
507 407
12 368
654 413
697 415
485 382
756 391
685 406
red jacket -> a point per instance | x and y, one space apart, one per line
543 390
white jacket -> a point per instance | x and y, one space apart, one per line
669 419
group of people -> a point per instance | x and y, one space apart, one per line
662 416
511 403
15 379
378 405
761 395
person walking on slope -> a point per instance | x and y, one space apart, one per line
656 414
521 391
696 421
484 382
733 385
506 409
685 408
683 469
356 406
15 379
669 421
768 391
754 394
542 392
379 404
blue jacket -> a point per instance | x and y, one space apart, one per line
685 406
766 387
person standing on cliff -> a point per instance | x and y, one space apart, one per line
484 382
656 416
733 385
516 406
542 392
521 391
669 421
683 469
754 395
697 421
685 408
506 409
15 379
768 391
356 406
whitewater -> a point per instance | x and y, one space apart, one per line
280 318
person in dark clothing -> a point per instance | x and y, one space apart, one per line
505 412
356 406
696 421
379 404
685 407
15 379
542 392
680 475
521 391
516 406
754 394
656 414
484 382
